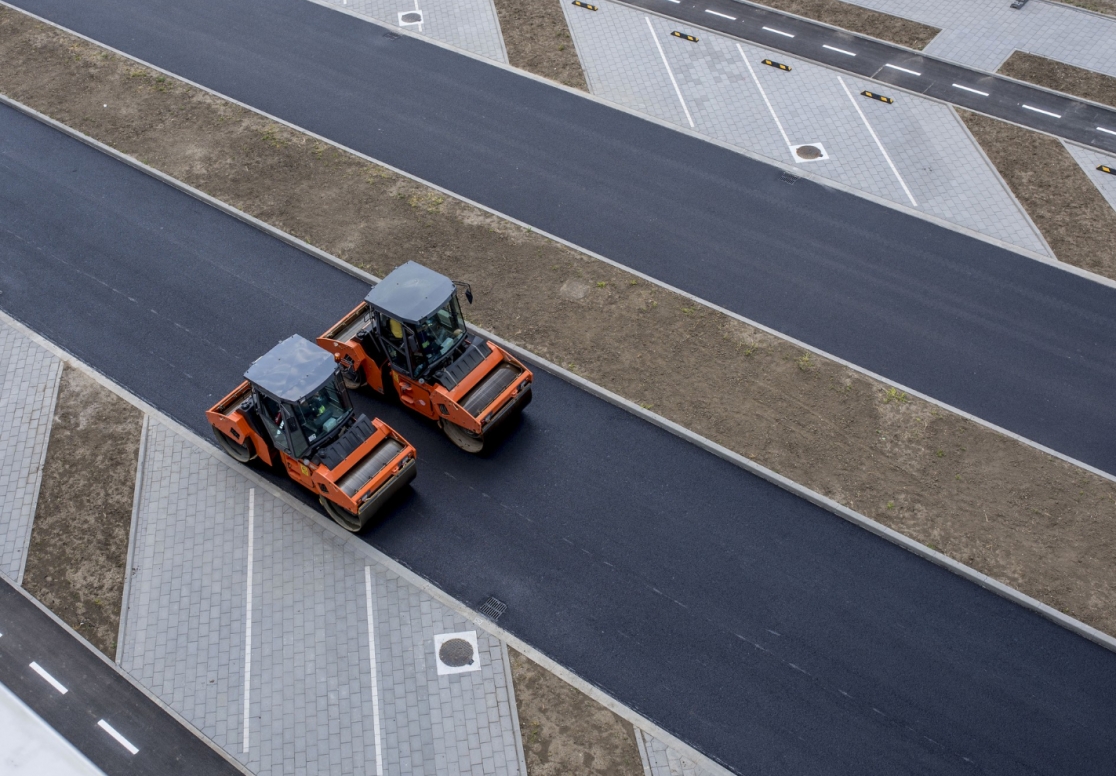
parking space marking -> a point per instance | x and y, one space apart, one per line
839 51
1040 110
722 15
970 89
132 749
670 72
778 32
248 614
50 679
879 144
901 69
374 671
763 94
1108 131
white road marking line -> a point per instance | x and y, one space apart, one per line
875 137
670 72
374 671
132 749
53 682
970 89
1040 110
902 69
763 94
778 32
248 613
839 51
722 15
1108 131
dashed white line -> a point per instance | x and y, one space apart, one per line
375 672
902 69
1040 110
839 51
875 137
778 32
670 72
722 15
1106 131
763 94
248 614
970 89
53 682
132 748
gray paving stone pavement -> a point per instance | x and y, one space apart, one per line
659 759
471 25
983 33
1089 160
29 377
940 163
311 703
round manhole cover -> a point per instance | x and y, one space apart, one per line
412 17
456 653
808 152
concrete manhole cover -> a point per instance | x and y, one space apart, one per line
456 653
410 17
808 152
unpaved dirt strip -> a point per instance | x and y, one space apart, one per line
1086 84
855 18
1071 213
1018 515
538 40
1100 6
565 731
79 541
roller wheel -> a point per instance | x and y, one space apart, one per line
466 440
241 452
342 517
351 383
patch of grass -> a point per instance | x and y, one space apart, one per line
893 395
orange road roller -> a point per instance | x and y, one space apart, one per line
409 336
293 408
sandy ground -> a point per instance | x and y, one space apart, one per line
565 731
79 542
857 19
1029 520
1071 213
1100 6
1087 84
538 40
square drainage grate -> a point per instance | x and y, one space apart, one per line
790 177
392 35
493 608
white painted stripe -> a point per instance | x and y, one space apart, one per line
763 94
670 72
53 682
132 749
722 15
970 89
1040 110
839 51
902 69
248 614
875 137
374 671
1108 131
778 32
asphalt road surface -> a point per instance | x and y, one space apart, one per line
39 659
763 630
1008 339
966 87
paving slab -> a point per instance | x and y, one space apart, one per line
311 704
1089 161
720 88
29 376
660 759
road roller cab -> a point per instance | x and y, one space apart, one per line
409 336
293 408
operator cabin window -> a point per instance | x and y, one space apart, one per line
272 415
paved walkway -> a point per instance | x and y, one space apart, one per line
1089 160
915 152
983 33
29 378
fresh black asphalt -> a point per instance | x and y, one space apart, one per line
1004 98
94 692
1008 339
765 631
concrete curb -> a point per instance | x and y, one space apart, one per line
39 477
514 709
129 568
81 639
346 267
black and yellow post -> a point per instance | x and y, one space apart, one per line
684 36
580 4
1107 169
780 65
879 97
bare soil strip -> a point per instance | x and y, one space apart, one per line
1071 213
1086 84
854 18
565 731
1018 515
1100 6
79 541
538 40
